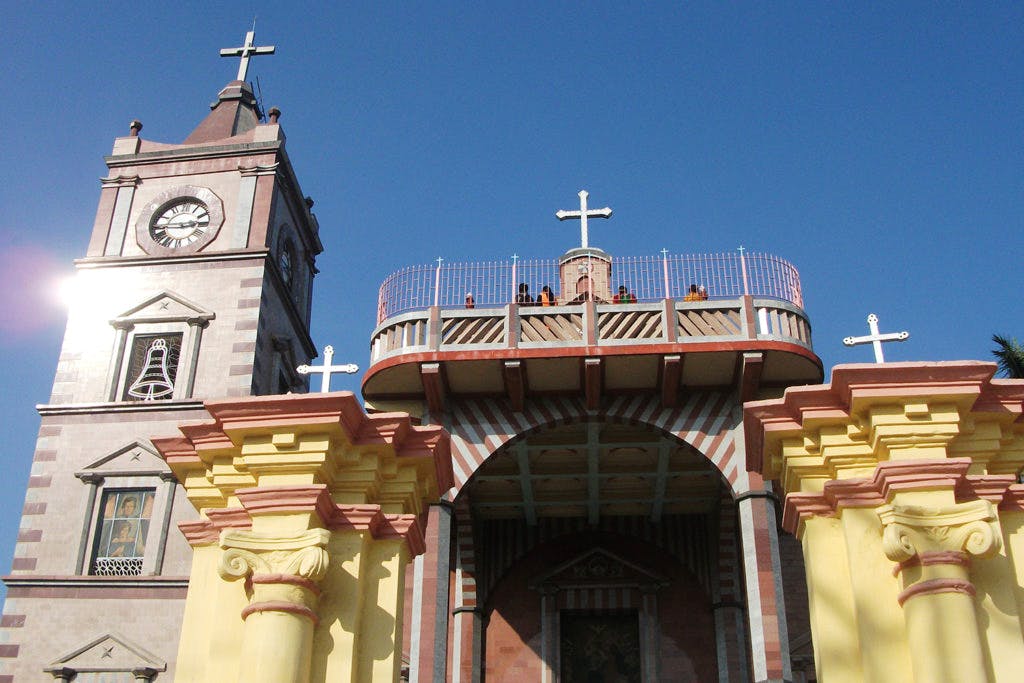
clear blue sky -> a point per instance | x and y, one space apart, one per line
877 147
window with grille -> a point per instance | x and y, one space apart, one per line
122 528
152 367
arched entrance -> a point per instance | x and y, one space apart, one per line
597 555
670 478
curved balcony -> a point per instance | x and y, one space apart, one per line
750 331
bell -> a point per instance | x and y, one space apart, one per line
153 382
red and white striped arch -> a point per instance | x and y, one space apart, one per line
710 422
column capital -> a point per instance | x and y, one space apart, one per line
913 530
246 552
282 571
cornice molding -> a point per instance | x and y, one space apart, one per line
873 413
892 478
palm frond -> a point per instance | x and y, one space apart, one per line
1009 355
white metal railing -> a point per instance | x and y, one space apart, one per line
649 278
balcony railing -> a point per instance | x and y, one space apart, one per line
649 278
739 319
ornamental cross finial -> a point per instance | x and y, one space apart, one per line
583 214
245 52
327 369
876 339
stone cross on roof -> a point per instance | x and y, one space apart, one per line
245 52
327 369
876 339
583 214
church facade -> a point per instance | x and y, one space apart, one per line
599 485
606 482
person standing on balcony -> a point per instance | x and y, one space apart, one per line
693 294
546 296
624 296
470 302
702 293
524 297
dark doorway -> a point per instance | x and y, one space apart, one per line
600 648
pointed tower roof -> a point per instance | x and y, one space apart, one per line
235 111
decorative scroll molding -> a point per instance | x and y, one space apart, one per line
120 181
246 552
268 169
911 530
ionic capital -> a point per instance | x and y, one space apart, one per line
911 530
246 552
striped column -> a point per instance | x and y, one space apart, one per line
429 642
766 611
467 619
730 627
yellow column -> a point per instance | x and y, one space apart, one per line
933 546
281 614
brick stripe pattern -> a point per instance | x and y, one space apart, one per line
765 602
247 348
707 421
26 548
730 615
463 655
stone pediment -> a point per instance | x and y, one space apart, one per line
597 567
164 307
110 652
134 459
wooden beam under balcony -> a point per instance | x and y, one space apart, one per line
751 367
433 386
592 382
515 383
671 371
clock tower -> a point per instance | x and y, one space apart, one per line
196 284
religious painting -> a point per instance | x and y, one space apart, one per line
152 367
600 647
123 525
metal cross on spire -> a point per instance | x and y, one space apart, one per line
327 369
876 339
246 51
583 214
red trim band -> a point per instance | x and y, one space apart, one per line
281 606
934 586
925 559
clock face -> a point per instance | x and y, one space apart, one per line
180 223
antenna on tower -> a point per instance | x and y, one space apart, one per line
259 102
260 116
